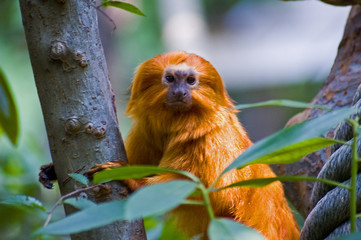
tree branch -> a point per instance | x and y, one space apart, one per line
76 98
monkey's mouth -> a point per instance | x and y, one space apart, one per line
179 105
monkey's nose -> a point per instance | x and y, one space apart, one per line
179 94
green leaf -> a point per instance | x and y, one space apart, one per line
261 182
280 103
147 201
226 229
8 114
295 152
157 199
89 218
134 172
291 138
170 231
79 178
24 201
79 203
123 5
151 222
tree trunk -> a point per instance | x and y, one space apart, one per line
76 98
338 91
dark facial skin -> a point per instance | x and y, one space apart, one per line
180 80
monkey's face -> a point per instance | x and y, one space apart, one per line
179 81
176 82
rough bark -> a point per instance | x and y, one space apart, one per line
336 92
76 99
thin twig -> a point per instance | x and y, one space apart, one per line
206 200
62 198
107 17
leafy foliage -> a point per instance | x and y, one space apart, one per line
134 172
24 201
261 182
226 229
157 199
79 203
8 114
87 219
79 178
290 144
148 201
279 103
285 146
123 5
169 231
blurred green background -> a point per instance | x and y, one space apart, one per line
263 50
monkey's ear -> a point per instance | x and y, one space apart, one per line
147 75
132 100
135 87
135 82
221 96
221 93
210 76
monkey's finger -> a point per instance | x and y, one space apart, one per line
103 166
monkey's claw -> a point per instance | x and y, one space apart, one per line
103 166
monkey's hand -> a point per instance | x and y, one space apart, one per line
103 166
132 184
47 175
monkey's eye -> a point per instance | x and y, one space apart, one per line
169 78
191 80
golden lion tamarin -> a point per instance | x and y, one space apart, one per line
182 120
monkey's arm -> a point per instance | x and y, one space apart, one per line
132 184
138 151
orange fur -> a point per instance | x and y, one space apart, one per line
203 140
